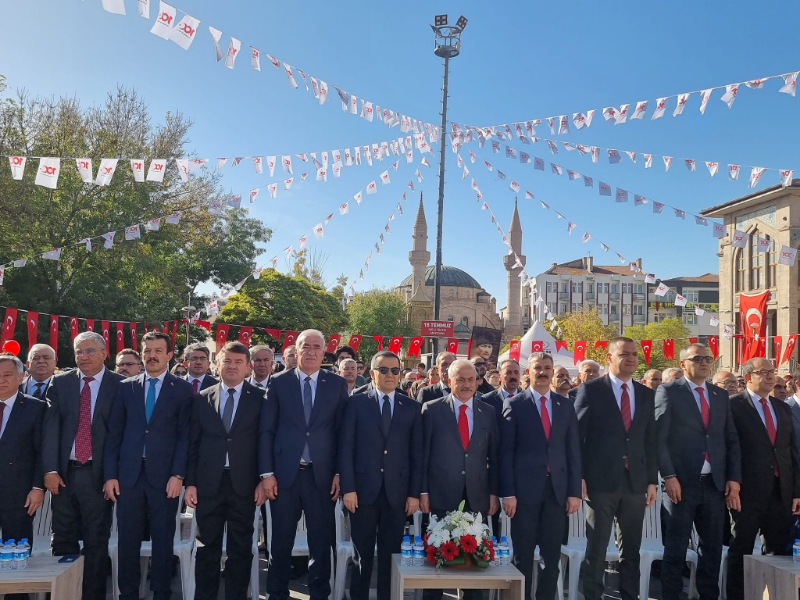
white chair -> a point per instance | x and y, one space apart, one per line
181 548
723 570
652 549
574 551
345 553
42 529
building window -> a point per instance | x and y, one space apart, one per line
603 309
638 289
756 264
451 293
627 288
614 309
551 307
614 288
626 309
551 286
772 264
589 287
638 309
577 287
450 318
563 309
602 288
575 307
564 288
740 269
689 319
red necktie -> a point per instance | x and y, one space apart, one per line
195 386
771 431
545 423
704 412
625 407
83 436
463 425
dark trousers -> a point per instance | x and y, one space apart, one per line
703 506
628 507
369 521
16 524
213 513
135 506
80 512
540 524
303 496
773 517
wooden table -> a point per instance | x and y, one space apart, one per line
508 579
771 578
64 581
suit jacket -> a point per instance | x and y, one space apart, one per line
431 392
525 452
61 421
286 432
760 457
368 460
23 388
21 452
683 440
252 381
495 400
209 443
166 435
605 445
447 468
485 388
790 401
208 381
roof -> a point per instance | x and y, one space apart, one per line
450 276
726 207
705 278
576 267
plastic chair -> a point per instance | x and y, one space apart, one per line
574 551
505 530
42 529
345 553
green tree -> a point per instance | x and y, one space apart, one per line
587 326
671 328
377 312
277 301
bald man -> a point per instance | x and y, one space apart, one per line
727 381
652 379
671 374
587 370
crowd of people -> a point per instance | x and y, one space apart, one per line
298 435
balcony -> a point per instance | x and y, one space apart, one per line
614 295
563 295
638 296
639 318
589 295
613 318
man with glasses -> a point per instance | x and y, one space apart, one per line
74 436
381 471
197 358
727 381
484 387
128 362
41 366
700 462
770 471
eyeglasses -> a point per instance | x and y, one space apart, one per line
701 359
728 382
180 373
197 358
87 352
128 364
479 364
385 370
765 372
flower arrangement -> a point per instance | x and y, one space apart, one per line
460 539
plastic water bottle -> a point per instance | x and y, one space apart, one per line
503 551
7 555
496 561
418 552
21 554
796 551
406 552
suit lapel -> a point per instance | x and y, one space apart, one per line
688 397
612 398
243 407
759 424
322 387
534 416
105 395
375 409
13 419
452 416
478 421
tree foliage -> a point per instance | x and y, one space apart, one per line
377 312
585 325
671 328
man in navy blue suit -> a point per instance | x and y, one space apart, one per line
145 456
380 462
301 419
540 473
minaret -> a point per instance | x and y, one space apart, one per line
513 301
419 255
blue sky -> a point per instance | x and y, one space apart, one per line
519 61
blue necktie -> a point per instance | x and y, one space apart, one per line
150 402
307 405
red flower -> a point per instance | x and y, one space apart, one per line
449 550
469 544
430 550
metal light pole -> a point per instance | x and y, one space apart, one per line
189 311
447 45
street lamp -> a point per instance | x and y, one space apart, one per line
189 310
447 45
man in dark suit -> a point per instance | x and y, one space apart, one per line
484 387
222 476
540 473
441 389
21 419
263 358
198 360
794 403
700 462
460 453
381 472
145 456
41 366
620 466
770 472
75 430
301 420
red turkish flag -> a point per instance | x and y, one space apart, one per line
580 352
106 335
166 327
693 340
8 326
669 349
33 328
713 343
146 328
245 333
355 342
120 336
790 344
560 345
134 337
753 319
761 347
333 342
537 346
415 346
452 345
175 331
222 335
289 340
73 327
513 350
89 324
54 333
379 339
276 333
207 325
395 343
777 342
647 347
601 344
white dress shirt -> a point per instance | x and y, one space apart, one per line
313 382
508 394
30 390
537 401
706 465
7 412
147 378
94 389
262 384
616 386
223 401
191 379
757 403
457 410
380 401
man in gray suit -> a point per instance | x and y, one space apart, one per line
459 445
794 403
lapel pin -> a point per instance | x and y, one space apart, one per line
400 403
